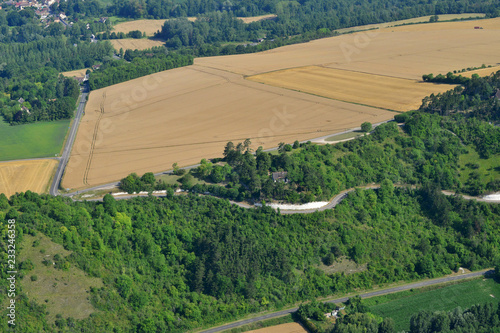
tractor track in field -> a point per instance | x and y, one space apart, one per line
94 139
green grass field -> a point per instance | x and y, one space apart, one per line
488 169
401 306
43 139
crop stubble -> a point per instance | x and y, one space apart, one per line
354 87
135 44
20 176
283 328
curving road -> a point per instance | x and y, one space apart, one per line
69 144
363 295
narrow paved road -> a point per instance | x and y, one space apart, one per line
69 143
363 295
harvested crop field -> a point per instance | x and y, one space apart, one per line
257 18
354 87
75 73
150 27
20 176
135 44
190 113
404 51
482 72
186 114
422 19
283 328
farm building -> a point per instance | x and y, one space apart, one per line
280 176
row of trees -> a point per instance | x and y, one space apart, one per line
113 72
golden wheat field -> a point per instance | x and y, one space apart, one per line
150 27
283 328
354 87
75 73
257 18
20 176
135 44
186 114
190 113
422 19
404 51
482 72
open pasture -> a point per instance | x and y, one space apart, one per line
135 44
34 140
354 87
20 176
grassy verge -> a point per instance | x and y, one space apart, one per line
42 139
401 306
338 137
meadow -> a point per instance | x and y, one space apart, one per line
43 139
402 306
488 169
64 291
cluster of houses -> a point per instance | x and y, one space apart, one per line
23 108
42 9
41 6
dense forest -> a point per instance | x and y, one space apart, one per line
137 64
179 262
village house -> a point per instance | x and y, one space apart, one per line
280 176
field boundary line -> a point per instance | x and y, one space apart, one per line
94 138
